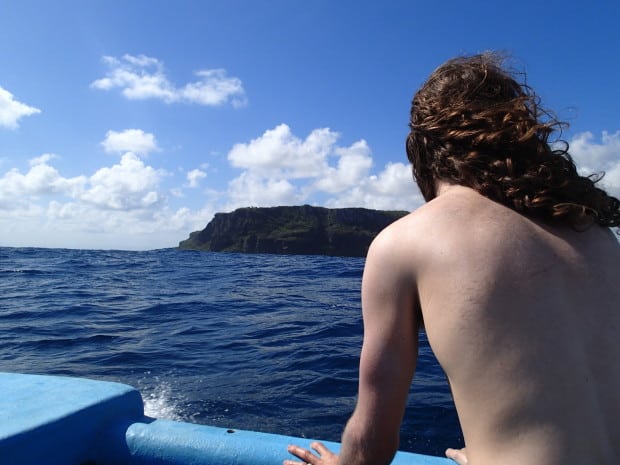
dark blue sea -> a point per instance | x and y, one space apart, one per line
259 342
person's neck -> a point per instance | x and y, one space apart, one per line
441 187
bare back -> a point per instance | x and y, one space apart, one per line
525 321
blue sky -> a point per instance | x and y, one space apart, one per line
127 125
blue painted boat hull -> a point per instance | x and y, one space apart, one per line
74 421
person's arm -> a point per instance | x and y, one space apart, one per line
387 363
389 355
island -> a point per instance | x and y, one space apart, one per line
293 230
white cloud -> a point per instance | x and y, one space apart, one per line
79 225
280 153
194 177
11 110
250 190
129 185
121 206
392 189
214 88
141 61
130 140
43 159
592 157
283 169
17 189
141 77
353 165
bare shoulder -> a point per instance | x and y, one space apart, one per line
403 238
461 227
450 219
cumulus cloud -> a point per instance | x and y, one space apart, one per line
392 189
281 168
141 78
353 165
280 153
122 205
11 110
130 140
42 160
194 177
253 190
129 185
214 88
17 189
594 157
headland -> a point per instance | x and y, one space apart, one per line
293 230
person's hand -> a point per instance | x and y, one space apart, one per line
325 457
458 455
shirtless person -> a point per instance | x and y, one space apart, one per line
512 269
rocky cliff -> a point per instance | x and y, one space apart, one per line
302 230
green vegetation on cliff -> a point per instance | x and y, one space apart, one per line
302 230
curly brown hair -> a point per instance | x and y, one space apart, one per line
473 124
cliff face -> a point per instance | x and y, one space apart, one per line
303 230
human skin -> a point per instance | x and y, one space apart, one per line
523 318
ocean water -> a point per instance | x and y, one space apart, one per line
259 342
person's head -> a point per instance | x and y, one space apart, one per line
472 123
